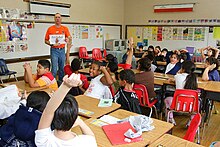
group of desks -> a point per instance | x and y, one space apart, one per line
92 112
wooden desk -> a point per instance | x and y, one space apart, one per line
24 86
168 140
84 71
161 128
163 76
91 104
202 65
161 63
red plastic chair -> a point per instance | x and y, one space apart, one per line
193 129
142 94
184 100
83 55
97 54
104 53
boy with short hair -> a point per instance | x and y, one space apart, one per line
43 77
61 112
126 96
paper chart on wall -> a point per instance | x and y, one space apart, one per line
85 31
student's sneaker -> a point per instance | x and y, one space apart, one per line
172 121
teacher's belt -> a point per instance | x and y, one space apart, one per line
58 48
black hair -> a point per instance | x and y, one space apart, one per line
127 75
66 114
75 64
44 63
213 60
140 46
164 49
38 100
113 67
144 64
111 58
158 47
150 46
97 63
191 80
177 56
213 52
150 55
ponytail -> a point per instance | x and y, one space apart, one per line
191 82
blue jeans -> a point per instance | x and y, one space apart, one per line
58 58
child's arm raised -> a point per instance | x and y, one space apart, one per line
57 98
202 52
130 52
69 45
106 79
216 52
205 75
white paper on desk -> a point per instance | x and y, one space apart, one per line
9 93
59 37
109 119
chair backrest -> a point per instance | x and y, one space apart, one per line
193 127
96 53
185 100
3 67
112 90
104 53
142 94
83 52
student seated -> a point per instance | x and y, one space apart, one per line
211 71
98 87
184 79
61 113
128 56
146 76
211 52
174 65
75 66
43 77
20 127
125 94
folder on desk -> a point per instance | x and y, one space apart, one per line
115 133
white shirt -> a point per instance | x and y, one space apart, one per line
180 80
46 138
169 67
97 90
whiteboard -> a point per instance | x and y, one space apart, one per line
37 47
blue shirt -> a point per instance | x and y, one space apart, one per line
213 75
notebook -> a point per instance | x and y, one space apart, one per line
115 133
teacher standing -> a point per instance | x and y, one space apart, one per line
56 37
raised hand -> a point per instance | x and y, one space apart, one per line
73 80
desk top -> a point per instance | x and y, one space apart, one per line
161 128
23 86
91 104
161 63
168 140
212 86
201 65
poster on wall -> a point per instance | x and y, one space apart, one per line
85 31
92 32
147 33
99 32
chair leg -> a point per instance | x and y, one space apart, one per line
210 112
215 110
198 135
82 63
150 112
156 112
168 116
1 80
15 78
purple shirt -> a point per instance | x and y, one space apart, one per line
214 75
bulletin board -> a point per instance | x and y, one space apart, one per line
175 37
89 35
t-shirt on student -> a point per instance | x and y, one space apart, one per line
46 80
46 138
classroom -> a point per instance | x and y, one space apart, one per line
188 30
